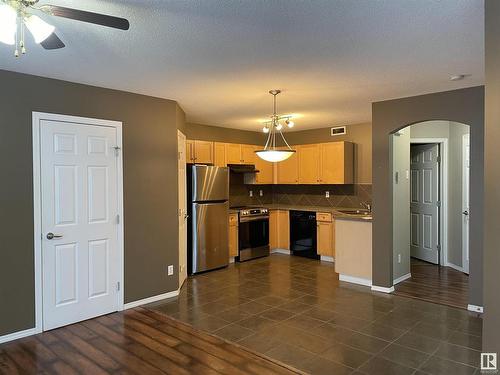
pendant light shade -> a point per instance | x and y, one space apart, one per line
8 24
273 128
274 156
40 29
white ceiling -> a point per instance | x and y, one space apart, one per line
218 58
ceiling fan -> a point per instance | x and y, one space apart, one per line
16 16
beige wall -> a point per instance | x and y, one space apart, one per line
491 325
150 191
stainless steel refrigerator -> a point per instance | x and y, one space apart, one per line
208 205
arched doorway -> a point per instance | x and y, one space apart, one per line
430 187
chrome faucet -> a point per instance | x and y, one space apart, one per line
367 206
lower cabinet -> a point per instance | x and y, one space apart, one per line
325 234
279 229
233 235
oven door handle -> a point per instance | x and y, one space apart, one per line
253 218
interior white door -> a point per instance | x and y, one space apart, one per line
424 202
465 201
181 149
79 203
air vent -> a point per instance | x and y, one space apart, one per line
339 130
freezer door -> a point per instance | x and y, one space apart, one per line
209 183
210 236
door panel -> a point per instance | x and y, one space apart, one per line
219 154
79 191
203 151
424 202
233 153
309 164
288 170
247 154
182 201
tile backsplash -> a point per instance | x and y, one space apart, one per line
349 196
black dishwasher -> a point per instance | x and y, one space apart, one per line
303 234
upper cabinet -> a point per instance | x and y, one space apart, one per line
200 152
265 176
288 170
239 154
309 165
247 154
220 154
336 163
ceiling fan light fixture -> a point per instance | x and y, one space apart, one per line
8 24
40 29
290 123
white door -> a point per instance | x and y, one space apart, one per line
465 201
424 202
181 149
79 203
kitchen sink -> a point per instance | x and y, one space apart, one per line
355 212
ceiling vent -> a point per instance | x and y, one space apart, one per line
339 130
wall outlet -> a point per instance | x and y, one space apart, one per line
261 193
327 194
170 270
399 258
407 174
250 193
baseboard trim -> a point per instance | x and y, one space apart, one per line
280 251
231 260
475 308
454 266
355 280
152 299
325 258
19 335
402 278
382 289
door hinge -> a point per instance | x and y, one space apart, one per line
117 218
438 246
438 203
438 159
117 150
118 286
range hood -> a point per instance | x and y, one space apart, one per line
242 168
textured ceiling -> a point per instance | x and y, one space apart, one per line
219 58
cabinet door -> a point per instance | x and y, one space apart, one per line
204 152
265 176
233 235
309 164
273 230
248 154
288 170
189 151
219 154
233 153
337 163
283 230
325 238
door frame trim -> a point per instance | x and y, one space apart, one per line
37 203
465 187
443 192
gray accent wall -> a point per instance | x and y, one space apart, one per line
491 325
150 185
464 106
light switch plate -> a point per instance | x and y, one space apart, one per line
170 270
261 193
327 194
250 193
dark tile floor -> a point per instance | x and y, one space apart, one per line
296 311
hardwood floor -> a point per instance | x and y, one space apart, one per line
437 284
137 341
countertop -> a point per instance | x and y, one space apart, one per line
333 210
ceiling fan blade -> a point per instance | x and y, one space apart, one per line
52 42
84 16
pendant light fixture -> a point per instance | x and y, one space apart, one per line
274 128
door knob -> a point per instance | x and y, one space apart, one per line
466 213
51 236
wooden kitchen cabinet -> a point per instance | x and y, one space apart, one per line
279 229
325 234
336 163
309 164
288 170
200 152
233 153
248 154
265 176
233 235
220 154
